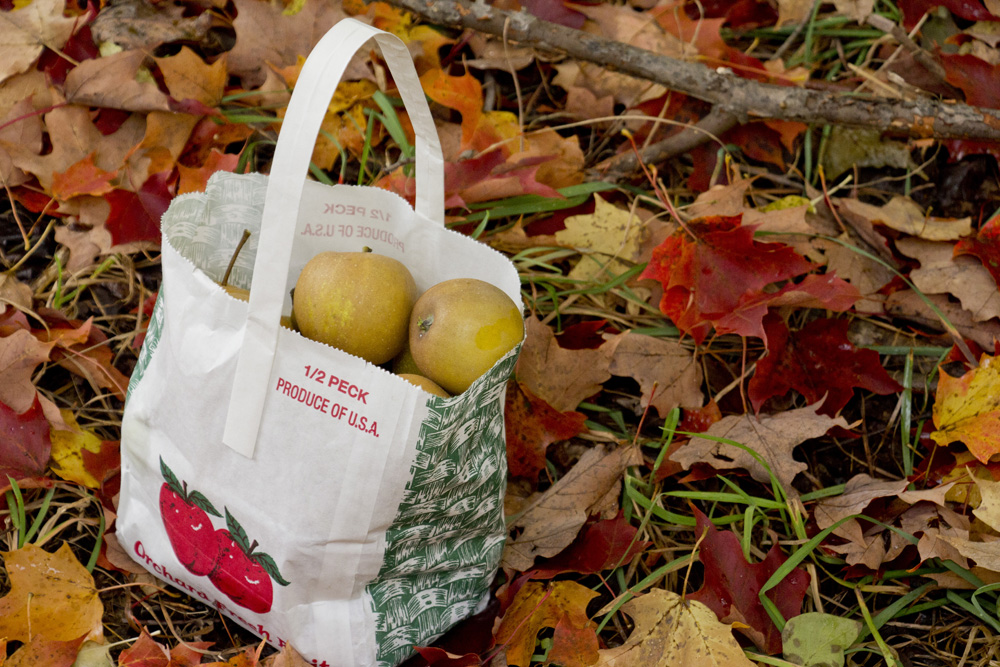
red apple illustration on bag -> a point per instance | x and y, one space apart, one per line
241 573
189 528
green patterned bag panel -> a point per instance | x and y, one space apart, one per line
443 547
233 203
149 343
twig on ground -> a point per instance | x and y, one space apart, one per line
743 98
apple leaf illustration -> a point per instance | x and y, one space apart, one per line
239 536
196 498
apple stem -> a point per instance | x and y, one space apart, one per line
425 324
253 546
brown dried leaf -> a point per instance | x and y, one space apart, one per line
772 437
667 372
552 520
964 277
111 82
562 378
905 215
29 30
20 353
908 304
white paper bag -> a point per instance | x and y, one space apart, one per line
314 498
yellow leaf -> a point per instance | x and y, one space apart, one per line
967 409
672 631
51 595
614 236
67 451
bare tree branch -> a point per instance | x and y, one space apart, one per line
742 98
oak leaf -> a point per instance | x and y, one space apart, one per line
561 377
561 605
772 437
942 272
816 360
670 630
533 425
20 354
732 585
551 520
985 245
967 409
667 372
51 595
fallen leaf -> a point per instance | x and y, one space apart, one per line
29 30
816 639
667 372
905 215
561 605
24 442
82 178
135 216
20 354
909 305
552 520
732 585
613 236
967 408
671 631
562 378
117 81
859 492
974 76
436 656
144 652
533 425
68 452
985 245
988 510
93 654
718 278
83 350
286 657
39 651
602 545
772 437
51 595
817 360
188 77
965 278
195 179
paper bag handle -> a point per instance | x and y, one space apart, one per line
314 89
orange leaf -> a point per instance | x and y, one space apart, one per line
464 94
561 605
82 178
194 179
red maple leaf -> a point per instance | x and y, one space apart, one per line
135 216
718 278
816 360
732 585
985 246
601 545
533 425
24 442
914 10
976 78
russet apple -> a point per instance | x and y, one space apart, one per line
358 302
459 328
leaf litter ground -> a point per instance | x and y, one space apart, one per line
754 418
